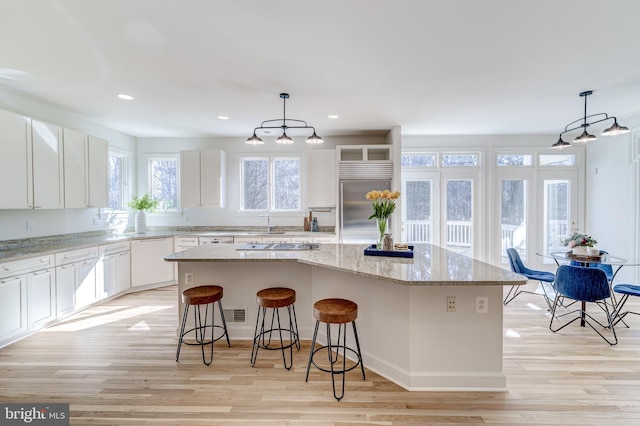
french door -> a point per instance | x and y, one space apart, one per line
441 208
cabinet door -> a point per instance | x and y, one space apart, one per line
13 306
98 172
190 178
75 169
276 239
123 279
86 283
15 162
41 298
212 173
244 240
321 178
147 263
65 289
107 276
48 179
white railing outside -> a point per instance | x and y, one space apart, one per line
418 231
458 233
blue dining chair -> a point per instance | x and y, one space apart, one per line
626 290
515 262
584 284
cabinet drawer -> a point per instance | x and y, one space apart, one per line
26 265
76 255
114 248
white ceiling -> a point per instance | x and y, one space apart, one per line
432 67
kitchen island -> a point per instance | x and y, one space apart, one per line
419 324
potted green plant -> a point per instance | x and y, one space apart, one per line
580 244
146 203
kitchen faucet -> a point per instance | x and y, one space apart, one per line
268 222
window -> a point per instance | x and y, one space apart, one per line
459 160
163 182
118 181
419 160
557 160
270 183
514 160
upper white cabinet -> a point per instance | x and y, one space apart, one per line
85 170
202 178
30 164
321 178
48 166
15 164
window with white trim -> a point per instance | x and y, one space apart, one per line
163 182
118 180
270 184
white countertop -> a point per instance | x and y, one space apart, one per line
431 265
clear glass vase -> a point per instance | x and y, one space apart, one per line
383 225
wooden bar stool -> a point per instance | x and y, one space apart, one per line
340 312
275 298
198 296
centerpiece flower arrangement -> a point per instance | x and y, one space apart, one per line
383 203
579 242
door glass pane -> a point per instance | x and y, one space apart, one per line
459 215
556 213
419 211
514 160
513 199
557 160
419 160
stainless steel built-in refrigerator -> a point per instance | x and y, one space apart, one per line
355 209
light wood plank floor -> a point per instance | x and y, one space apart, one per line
115 364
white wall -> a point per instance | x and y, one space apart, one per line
611 200
52 222
234 149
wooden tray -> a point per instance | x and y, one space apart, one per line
580 257
373 251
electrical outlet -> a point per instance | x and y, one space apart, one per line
188 278
482 304
451 303
29 225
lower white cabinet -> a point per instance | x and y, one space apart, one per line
13 306
75 279
114 269
41 298
27 296
147 261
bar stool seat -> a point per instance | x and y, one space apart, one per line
198 296
275 298
339 312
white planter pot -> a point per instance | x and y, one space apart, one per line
580 251
593 251
141 222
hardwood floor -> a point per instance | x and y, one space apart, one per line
115 364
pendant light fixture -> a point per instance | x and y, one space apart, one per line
585 136
284 139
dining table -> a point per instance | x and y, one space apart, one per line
564 256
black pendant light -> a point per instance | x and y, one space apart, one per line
585 122
284 139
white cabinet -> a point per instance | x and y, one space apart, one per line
75 279
202 178
114 269
30 164
327 240
15 164
26 295
245 240
41 298
13 307
321 178
48 167
85 170
276 239
147 263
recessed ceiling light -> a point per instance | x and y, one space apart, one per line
125 97
332 116
223 117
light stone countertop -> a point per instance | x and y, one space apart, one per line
431 265
42 246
